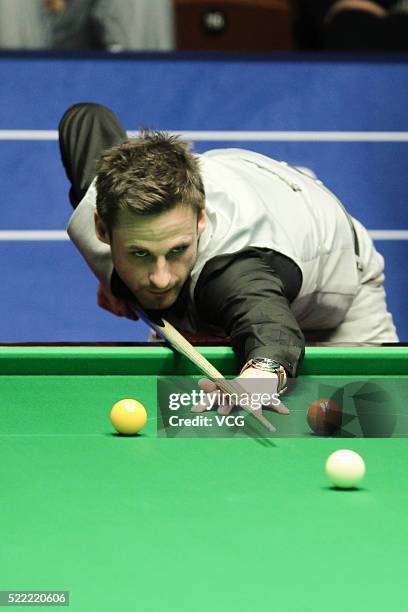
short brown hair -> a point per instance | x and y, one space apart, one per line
147 175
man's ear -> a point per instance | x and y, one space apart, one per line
100 229
201 221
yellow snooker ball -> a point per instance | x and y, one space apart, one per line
128 416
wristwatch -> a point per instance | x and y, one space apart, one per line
269 365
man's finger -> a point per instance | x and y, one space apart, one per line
225 408
207 385
199 407
279 408
208 402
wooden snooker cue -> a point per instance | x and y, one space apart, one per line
167 331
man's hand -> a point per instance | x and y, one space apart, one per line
118 307
253 382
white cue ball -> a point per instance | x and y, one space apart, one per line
345 469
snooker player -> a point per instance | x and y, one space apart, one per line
229 243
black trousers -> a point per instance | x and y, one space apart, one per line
85 131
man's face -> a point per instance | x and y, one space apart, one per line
155 254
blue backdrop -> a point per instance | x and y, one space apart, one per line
49 294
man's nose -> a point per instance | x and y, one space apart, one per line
160 275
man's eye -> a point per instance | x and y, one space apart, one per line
179 249
140 253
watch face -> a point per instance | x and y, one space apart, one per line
265 362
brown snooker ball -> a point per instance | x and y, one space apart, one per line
324 417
